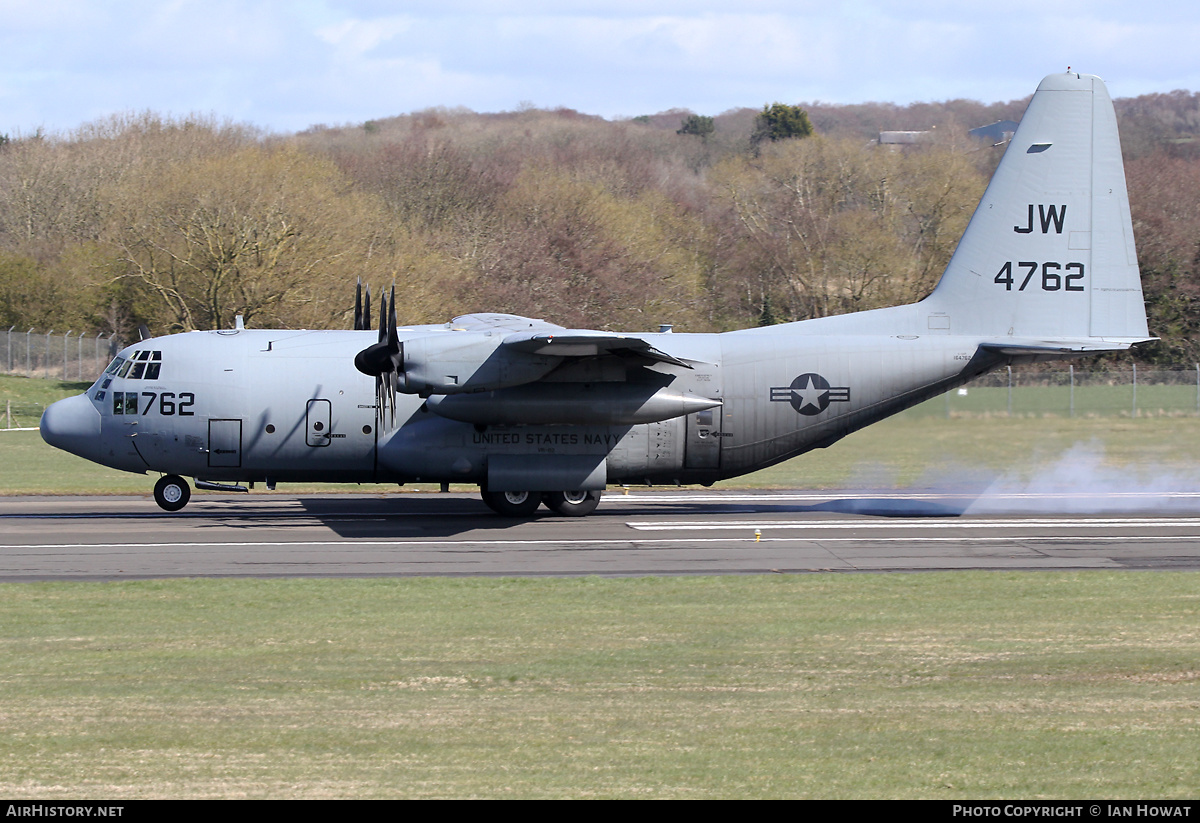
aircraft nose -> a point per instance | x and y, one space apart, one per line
72 425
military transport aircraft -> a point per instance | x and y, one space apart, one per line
533 412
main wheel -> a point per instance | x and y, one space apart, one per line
512 504
171 492
573 504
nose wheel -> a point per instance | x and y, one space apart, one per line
172 493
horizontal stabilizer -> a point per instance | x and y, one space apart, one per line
1090 345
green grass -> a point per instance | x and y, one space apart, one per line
1089 401
965 685
907 451
25 398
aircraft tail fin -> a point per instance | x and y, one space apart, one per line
1049 254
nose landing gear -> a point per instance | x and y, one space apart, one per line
172 493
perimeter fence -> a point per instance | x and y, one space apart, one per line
1071 392
58 355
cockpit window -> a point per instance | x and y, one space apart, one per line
142 365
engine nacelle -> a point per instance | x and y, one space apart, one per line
467 362
591 404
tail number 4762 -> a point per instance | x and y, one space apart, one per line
1055 276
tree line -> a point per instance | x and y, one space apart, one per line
754 216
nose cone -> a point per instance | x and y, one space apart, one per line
72 425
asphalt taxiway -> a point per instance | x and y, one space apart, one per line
644 532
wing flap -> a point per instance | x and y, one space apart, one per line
570 343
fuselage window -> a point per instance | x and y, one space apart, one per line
131 402
125 368
152 370
114 365
136 372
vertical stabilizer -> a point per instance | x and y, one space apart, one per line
1049 254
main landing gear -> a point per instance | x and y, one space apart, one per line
524 504
171 492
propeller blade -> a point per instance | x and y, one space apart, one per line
358 312
393 338
366 324
383 307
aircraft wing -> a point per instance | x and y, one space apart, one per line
574 343
494 321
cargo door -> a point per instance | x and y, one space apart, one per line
224 444
703 445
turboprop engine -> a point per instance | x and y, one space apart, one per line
478 369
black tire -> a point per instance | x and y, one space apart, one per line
512 504
172 492
574 503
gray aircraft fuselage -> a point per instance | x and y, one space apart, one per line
262 405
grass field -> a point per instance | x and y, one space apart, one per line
965 685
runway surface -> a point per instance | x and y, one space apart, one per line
644 532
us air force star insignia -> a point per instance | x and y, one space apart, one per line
810 394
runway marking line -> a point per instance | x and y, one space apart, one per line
568 545
917 523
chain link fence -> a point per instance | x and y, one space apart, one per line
1071 392
19 415
59 355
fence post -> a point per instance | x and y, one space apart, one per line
1072 368
10 331
66 339
1134 413
28 362
1010 391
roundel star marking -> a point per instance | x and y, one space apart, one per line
810 394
